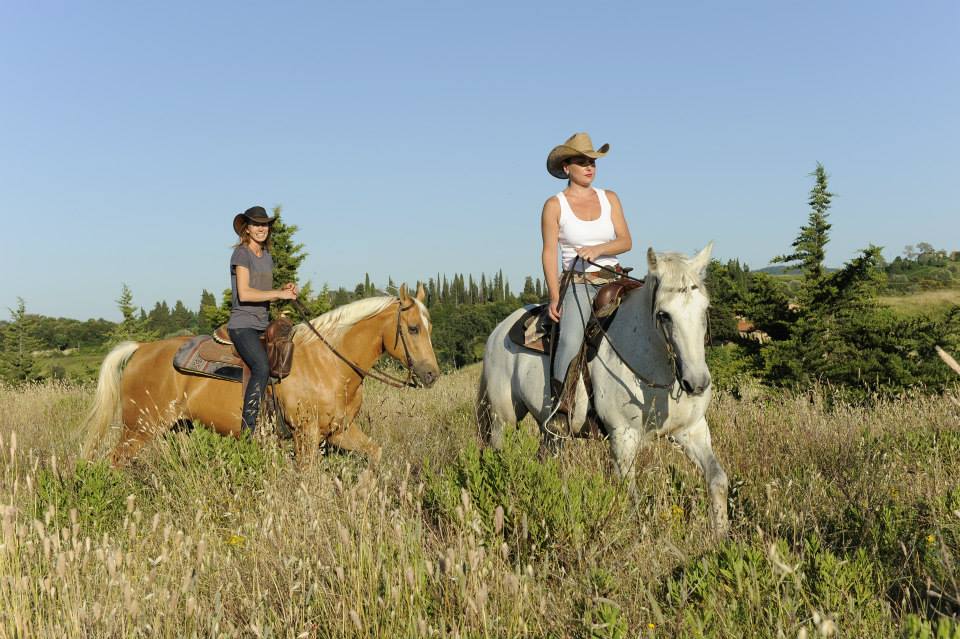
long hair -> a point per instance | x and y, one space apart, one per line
244 236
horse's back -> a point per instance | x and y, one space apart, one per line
514 377
152 390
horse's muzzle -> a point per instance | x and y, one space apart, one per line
695 384
427 376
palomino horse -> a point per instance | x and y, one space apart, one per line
320 397
650 376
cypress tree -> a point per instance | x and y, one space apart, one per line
809 246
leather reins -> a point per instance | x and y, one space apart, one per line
377 375
671 352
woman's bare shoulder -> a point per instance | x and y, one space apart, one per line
552 206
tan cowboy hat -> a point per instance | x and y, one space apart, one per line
253 214
576 144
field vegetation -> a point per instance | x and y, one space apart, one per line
845 522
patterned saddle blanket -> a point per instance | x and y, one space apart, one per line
533 330
202 355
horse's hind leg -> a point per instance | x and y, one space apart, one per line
132 439
697 445
495 410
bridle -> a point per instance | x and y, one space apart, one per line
411 381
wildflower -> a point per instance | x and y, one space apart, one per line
930 540
652 626
236 540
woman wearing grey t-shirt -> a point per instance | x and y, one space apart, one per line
251 281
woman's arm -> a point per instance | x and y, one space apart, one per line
621 244
246 294
550 229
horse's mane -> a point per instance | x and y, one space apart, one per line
333 324
674 271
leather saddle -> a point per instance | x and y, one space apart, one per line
216 356
534 329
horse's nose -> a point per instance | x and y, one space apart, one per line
429 377
696 386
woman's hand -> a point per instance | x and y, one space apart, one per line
589 252
554 310
288 292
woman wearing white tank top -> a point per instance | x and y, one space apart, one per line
583 221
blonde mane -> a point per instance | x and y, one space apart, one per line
334 324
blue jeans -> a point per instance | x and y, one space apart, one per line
248 345
574 314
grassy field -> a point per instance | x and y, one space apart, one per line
936 302
845 522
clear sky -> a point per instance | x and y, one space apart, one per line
406 139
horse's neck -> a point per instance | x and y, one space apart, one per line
362 343
635 335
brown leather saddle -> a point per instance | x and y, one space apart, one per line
534 329
216 356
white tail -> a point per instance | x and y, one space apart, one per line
949 361
107 398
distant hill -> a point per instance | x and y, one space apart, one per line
783 269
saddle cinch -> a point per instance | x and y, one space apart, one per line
215 356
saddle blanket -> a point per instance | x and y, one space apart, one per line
201 355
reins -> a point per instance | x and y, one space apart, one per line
671 353
377 375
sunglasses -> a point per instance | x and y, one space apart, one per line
583 161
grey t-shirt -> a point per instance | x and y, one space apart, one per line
251 314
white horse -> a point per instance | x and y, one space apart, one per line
650 376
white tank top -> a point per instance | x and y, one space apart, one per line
575 232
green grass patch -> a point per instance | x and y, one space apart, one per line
545 511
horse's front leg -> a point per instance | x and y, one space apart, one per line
350 437
625 445
697 445
355 439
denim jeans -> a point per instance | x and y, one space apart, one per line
248 345
574 314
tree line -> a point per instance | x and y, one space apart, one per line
823 325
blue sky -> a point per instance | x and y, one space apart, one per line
410 139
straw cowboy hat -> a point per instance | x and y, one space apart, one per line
578 144
253 214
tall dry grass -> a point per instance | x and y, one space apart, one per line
846 521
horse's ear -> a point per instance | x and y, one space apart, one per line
404 297
421 292
651 260
702 259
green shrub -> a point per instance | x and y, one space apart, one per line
915 627
96 491
544 511
742 589
231 463
732 365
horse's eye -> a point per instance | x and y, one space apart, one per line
413 330
663 316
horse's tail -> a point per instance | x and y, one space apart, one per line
484 411
107 398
